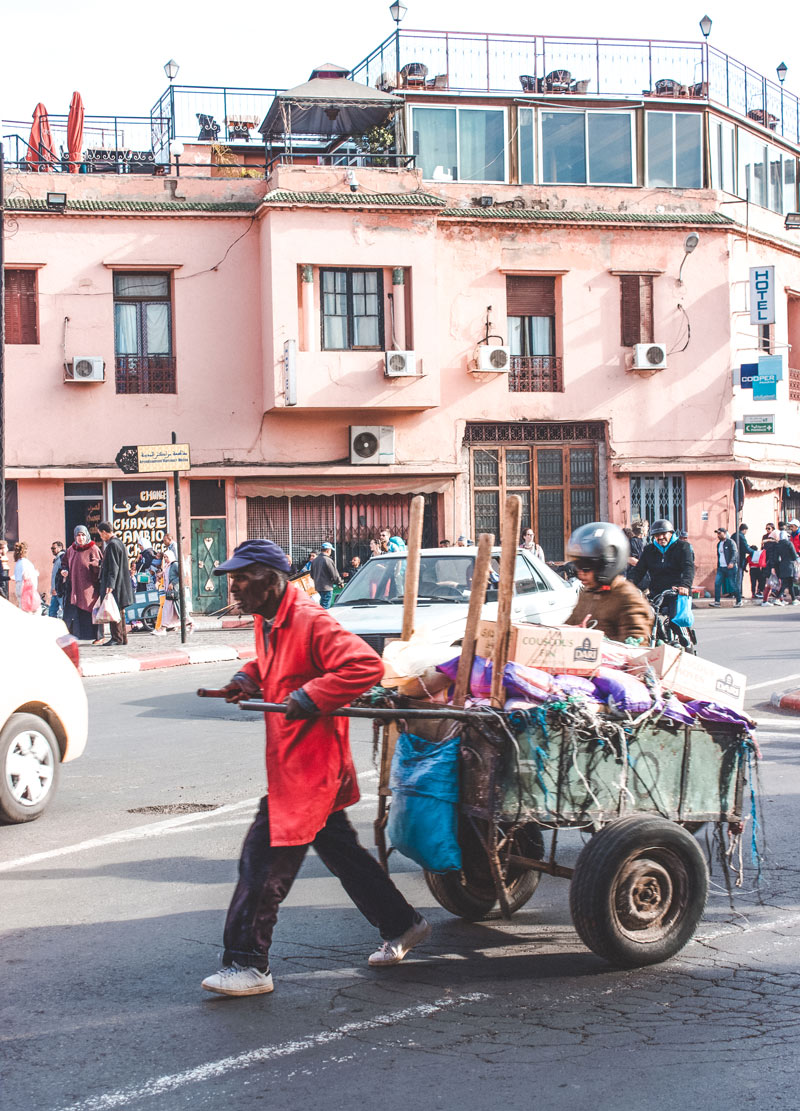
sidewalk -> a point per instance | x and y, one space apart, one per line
214 640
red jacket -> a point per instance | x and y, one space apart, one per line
310 771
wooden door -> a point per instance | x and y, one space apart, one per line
209 549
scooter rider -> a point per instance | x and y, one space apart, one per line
669 562
600 552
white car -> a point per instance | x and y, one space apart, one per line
371 604
43 710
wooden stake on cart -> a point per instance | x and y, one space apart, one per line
505 592
477 597
389 738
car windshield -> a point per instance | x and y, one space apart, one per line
442 578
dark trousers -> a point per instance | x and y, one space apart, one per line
266 874
119 631
787 583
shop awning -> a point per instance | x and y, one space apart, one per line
326 485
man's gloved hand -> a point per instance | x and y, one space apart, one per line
299 706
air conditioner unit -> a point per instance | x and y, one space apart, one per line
88 368
649 356
400 364
496 359
371 444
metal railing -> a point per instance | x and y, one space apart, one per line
123 139
535 374
145 374
209 113
468 62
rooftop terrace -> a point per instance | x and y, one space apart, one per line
527 68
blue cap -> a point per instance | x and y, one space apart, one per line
327 546
255 551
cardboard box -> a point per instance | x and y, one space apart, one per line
559 649
692 677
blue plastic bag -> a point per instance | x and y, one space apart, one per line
423 817
684 618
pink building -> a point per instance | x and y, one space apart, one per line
541 289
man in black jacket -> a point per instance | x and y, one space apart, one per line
325 575
115 579
727 577
668 560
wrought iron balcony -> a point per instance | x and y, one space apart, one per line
145 374
535 374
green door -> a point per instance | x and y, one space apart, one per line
209 549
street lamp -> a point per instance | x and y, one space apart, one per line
705 26
397 11
689 244
176 150
781 71
171 69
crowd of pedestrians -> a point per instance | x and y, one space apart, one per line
321 564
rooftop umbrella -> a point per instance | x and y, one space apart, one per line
40 144
75 132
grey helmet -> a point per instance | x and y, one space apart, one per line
602 547
661 526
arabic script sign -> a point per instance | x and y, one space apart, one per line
147 458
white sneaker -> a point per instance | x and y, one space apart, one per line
238 980
796 601
392 952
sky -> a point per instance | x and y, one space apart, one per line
114 54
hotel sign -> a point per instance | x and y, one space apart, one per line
762 294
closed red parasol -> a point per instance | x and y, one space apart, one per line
75 132
41 153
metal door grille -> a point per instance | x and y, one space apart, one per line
658 496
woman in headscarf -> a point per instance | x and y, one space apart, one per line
83 585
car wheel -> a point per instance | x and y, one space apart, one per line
29 766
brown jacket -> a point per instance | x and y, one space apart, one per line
619 610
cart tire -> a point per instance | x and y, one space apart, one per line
470 893
150 616
639 890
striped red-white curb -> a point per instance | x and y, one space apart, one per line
201 654
789 700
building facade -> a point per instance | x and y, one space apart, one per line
552 298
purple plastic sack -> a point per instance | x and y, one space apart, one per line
480 680
677 711
527 682
576 684
712 711
627 692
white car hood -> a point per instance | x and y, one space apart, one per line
443 622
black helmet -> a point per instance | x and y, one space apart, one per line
602 548
661 526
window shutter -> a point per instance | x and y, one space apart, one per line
636 306
530 296
20 306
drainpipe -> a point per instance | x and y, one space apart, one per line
398 307
307 305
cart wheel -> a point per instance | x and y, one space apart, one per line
639 890
470 893
150 616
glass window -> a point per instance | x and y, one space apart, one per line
577 147
563 148
789 184
143 333
674 150
526 140
466 144
610 148
752 168
352 316
435 141
723 162
531 335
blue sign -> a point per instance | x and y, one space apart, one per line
749 372
770 364
765 388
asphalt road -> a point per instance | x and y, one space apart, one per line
113 906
